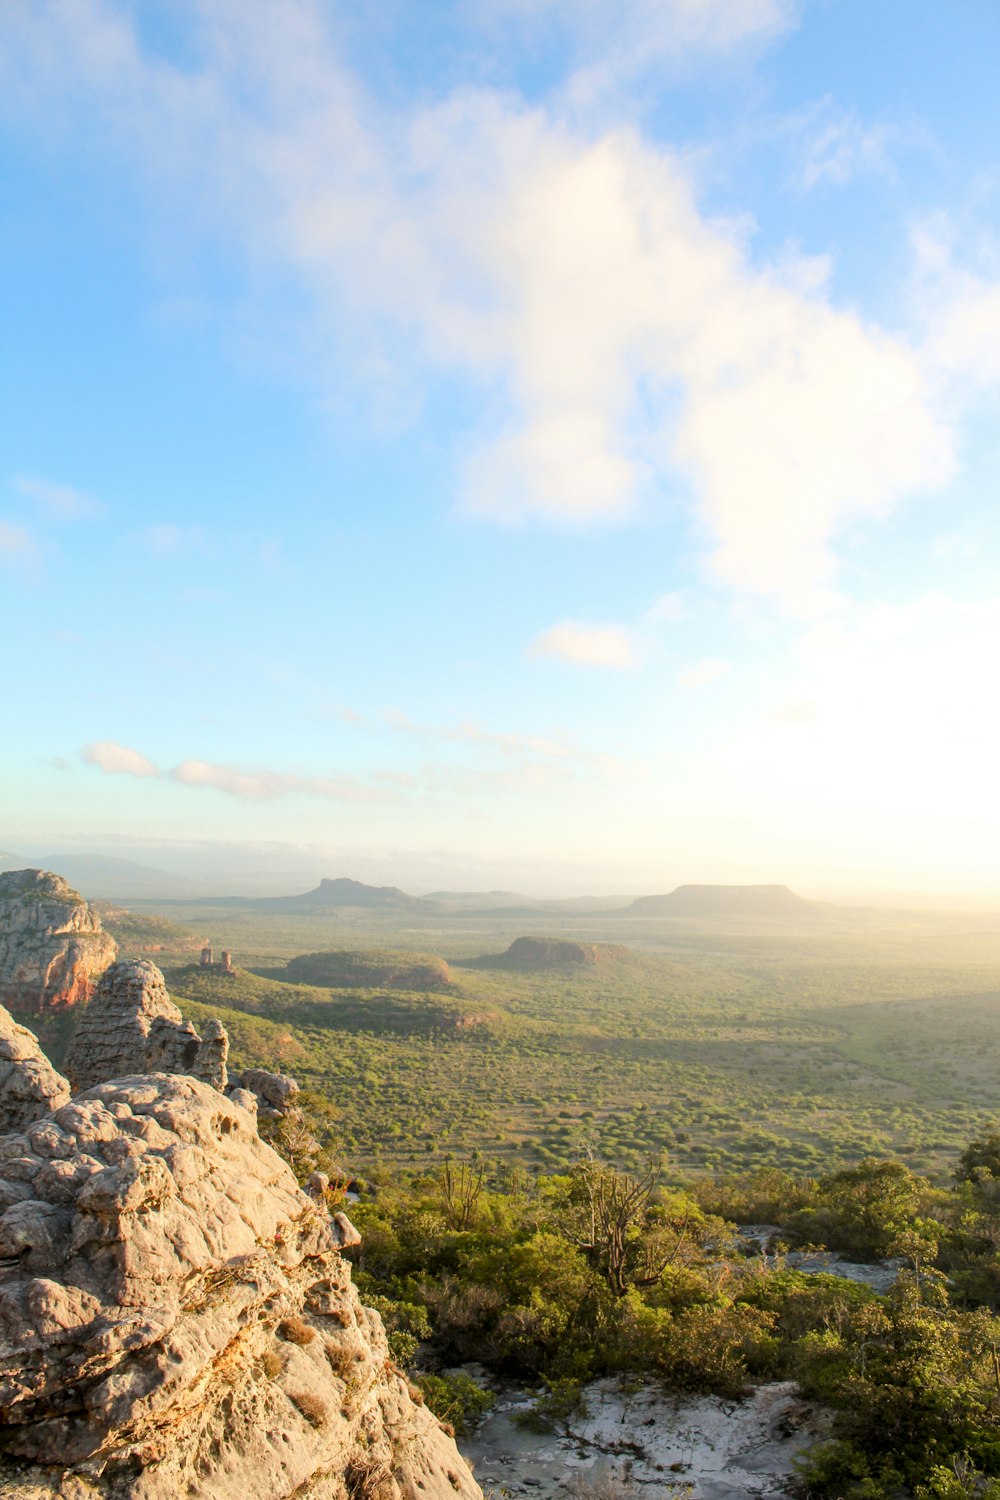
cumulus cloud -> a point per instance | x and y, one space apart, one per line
616 334
117 760
587 645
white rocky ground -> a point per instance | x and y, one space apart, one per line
652 1443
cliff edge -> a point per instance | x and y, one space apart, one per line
52 946
177 1318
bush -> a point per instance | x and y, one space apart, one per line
455 1399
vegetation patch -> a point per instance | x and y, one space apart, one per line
554 953
368 969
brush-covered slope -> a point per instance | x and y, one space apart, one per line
371 969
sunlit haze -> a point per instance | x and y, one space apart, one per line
516 443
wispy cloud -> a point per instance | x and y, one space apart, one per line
117 760
166 539
587 645
701 673
264 786
670 608
833 145
17 545
248 785
59 500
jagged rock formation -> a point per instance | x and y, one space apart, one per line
275 1092
176 1318
30 1087
52 946
133 1026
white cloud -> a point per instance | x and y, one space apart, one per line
587 645
833 145
624 38
701 673
615 332
60 500
250 786
265 786
958 301
167 539
117 760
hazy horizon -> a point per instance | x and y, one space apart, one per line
214 870
538 446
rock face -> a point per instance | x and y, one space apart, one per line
133 1026
30 1087
52 946
275 1092
176 1318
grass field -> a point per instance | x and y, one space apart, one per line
723 1046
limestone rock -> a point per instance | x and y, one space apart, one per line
30 1087
176 1319
52 946
133 1026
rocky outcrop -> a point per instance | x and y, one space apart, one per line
177 1319
555 953
30 1087
275 1092
52 946
133 1026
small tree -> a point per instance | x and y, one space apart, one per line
461 1186
608 1210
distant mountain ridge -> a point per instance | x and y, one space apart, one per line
724 901
328 895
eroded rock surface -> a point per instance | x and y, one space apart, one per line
176 1318
52 946
30 1087
133 1026
275 1092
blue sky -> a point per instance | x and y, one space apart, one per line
518 442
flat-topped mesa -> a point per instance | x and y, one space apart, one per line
176 1318
52 946
133 1026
